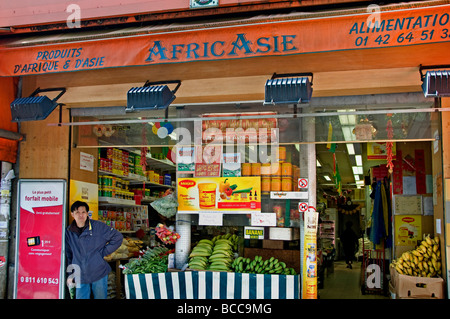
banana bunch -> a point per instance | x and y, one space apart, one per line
233 238
215 254
198 258
260 266
221 256
424 261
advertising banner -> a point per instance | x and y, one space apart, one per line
40 239
239 195
311 218
86 192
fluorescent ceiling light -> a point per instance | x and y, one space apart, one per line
357 170
360 183
358 159
347 119
327 177
318 163
357 178
348 134
350 149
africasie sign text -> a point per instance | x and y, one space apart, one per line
389 28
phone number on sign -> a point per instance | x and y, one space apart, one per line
405 38
39 280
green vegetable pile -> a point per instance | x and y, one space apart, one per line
152 261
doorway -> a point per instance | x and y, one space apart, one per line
353 202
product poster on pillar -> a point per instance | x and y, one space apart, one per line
40 239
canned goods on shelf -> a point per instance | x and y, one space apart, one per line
286 184
256 169
275 184
246 169
286 170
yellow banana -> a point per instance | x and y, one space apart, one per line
434 262
423 248
420 266
435 247
428 240
416 252
399 270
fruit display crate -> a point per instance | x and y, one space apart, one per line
211 285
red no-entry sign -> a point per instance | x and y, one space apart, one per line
302 207
303 183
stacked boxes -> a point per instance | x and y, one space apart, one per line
280 176
117 219
127 219
114 160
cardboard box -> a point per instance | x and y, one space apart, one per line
411 287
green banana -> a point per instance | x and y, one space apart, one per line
199 253
207 241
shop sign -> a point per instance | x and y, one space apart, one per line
253 232
233 195
40 239
406 27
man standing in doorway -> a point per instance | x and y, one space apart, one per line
87 242
350 244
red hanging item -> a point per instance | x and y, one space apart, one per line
389 144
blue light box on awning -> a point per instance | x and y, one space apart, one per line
34 108
288 90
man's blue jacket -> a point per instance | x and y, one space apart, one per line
88 249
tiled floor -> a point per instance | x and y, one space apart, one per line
345 283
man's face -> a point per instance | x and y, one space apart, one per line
80 216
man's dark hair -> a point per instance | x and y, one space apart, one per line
78 204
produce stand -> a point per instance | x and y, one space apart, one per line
211 285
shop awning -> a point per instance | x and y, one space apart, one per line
276 35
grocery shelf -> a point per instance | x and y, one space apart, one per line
134 179
111 201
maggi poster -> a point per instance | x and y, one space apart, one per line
238 195
408 229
